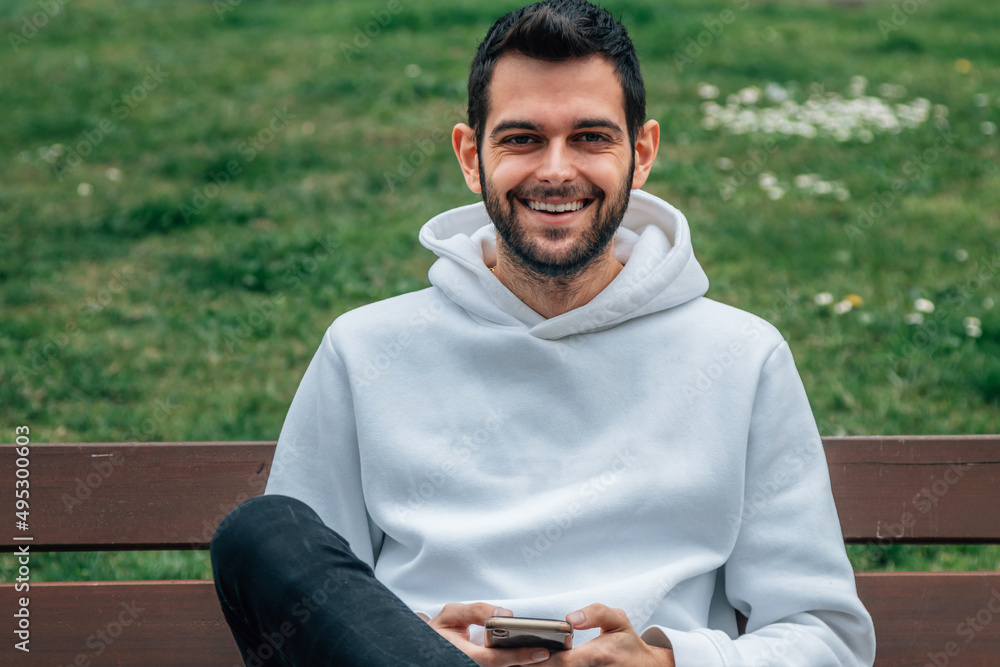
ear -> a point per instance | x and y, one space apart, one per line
463 140
646 146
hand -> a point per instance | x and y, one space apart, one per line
453 624
618 643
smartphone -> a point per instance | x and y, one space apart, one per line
519 632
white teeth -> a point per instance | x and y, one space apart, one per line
555 208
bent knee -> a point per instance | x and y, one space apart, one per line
251 525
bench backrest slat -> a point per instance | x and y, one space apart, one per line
921 489
917 489
905 490
121 496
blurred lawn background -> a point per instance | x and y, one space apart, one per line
190 192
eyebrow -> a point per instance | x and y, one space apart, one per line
581 124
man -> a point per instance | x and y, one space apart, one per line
561 426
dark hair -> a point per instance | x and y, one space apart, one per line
557 30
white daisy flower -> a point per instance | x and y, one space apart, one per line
767 180
749 95
823 299
707 91
775 92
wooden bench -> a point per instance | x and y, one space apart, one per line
135 496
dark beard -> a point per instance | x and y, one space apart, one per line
608 217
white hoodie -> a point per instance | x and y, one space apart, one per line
652 450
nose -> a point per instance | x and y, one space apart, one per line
557 164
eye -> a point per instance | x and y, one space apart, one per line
593 137
519 140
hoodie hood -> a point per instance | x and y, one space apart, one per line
653 243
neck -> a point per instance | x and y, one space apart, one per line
554 295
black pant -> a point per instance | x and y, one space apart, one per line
294 594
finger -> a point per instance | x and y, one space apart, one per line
496 657
510 657
599 616
455 614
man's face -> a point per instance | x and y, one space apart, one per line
555 164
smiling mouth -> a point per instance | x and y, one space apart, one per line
567 207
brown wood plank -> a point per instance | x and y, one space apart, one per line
152 624
934 619
116 496
906 490
920 618
917 489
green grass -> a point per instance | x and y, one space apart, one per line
152 289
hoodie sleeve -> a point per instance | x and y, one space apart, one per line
788 571
317 459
